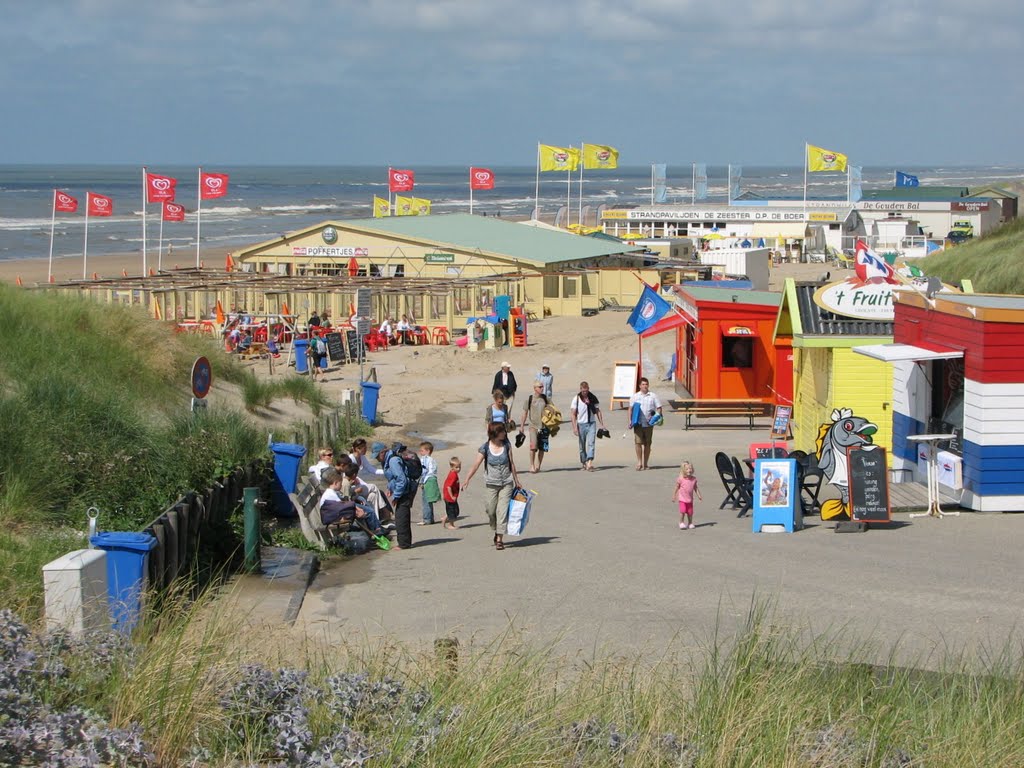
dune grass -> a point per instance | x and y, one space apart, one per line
94 411
196 692
992 263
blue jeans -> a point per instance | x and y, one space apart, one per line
428 510
370 517
587 434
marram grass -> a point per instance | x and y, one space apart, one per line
199 692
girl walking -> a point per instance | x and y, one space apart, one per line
686 488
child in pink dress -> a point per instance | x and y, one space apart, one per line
686 487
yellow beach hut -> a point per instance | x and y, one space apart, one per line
823 322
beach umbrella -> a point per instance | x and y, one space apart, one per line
760 243
712 236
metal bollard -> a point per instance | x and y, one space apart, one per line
252 528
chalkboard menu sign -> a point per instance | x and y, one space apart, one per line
335 347
355 344
869 484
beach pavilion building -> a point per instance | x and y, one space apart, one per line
445 269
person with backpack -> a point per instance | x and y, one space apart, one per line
402 485
585 415
500 479
317 354
532 418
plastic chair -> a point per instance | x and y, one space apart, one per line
728 477
811 480
440 336
371 341
383 342
419 335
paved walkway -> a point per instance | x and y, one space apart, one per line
604 568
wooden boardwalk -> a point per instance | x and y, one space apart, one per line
913 497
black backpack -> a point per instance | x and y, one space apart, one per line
410 462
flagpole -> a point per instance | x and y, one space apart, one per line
160 246
805 179
536 195
568 194
849 193
199 211
579 216
471 191
693 184
85 248
53 222
389 188
728 189
143 221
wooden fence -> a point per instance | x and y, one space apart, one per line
199 522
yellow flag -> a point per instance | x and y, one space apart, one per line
404 206
381 207
600 156
559 158
420 206
819 159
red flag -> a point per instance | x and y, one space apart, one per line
160 189
481 178
99 205
174 212
63 202
212 185
401 181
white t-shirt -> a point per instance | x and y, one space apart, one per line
403 325
385 328
649 403
429 468
329 495
366 469
582 412
317 470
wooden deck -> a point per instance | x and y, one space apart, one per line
913 497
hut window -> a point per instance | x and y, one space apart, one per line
551 287
737 352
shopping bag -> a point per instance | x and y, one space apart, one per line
519 511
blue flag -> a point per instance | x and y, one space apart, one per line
906 180
660 171
649 310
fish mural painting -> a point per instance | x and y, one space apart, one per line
834 439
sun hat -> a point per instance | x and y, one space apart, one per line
378 448
506 364
545 366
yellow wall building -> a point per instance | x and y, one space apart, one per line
827 374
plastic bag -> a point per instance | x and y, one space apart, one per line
519 511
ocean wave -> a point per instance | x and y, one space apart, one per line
15 225
298 208
227 210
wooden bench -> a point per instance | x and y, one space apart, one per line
750 409
306 503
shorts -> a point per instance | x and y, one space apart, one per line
686 508
643 436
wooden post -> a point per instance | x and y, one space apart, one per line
157 561
171 551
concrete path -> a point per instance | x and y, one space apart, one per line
603 567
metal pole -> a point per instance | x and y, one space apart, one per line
252 528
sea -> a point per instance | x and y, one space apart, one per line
264 202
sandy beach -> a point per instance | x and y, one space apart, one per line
34 270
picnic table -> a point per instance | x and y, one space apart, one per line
720 408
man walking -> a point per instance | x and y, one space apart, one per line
585 415
505 380
644 406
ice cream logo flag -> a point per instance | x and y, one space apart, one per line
559 158
600 156
819 159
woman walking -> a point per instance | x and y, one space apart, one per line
500 478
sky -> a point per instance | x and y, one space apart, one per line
400 82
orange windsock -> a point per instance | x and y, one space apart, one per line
156 310
95 276
52 280
220 313
284 308
152 271
229 263
202 265
17 280
124 273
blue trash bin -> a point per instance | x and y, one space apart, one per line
371 393
301 360
287 461
127 555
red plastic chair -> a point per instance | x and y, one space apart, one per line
383 342
419 335
371 341
440 336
